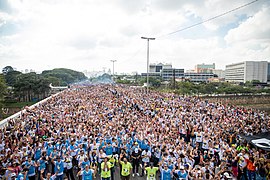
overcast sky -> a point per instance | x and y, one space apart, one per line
87 34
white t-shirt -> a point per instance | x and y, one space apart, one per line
199 136
205 144
146 159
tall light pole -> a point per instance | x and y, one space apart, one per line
113 61
147 81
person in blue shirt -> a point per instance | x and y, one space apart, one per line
109 149
182 173
38 152
87 173
49 148
58 168
86 162
22 175
166 173
41 163
31 165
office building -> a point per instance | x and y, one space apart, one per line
247 71
198 77
156 68
168 74
164 71
204 68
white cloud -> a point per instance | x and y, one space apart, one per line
254 28
86 34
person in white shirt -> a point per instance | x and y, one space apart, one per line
69 167
146 155
199 137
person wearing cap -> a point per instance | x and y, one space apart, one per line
87 173
227 176
126 168
135 156
146 155
106 169
151 172
182 173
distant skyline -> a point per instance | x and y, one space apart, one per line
87 34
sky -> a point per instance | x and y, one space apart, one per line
87 34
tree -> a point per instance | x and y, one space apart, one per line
11 77
67 76
155 82
3 90
31 86
7 69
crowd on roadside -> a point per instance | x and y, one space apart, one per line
88 132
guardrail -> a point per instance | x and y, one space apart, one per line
4 122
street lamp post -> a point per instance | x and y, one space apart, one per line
113 61
147 81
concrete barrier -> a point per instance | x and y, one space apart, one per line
4 122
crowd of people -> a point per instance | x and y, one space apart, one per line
94 132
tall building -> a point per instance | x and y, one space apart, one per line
247 71
164 71
204 68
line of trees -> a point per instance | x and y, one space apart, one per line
32 86
189 88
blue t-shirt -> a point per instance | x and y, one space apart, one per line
42 164
84 163
32 168
87 175
20 177
182 175
37 154
109 150
166 174
59 167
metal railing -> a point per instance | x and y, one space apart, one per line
4 122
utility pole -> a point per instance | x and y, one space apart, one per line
147 87
113 61
173 78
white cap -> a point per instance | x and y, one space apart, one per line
227 175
